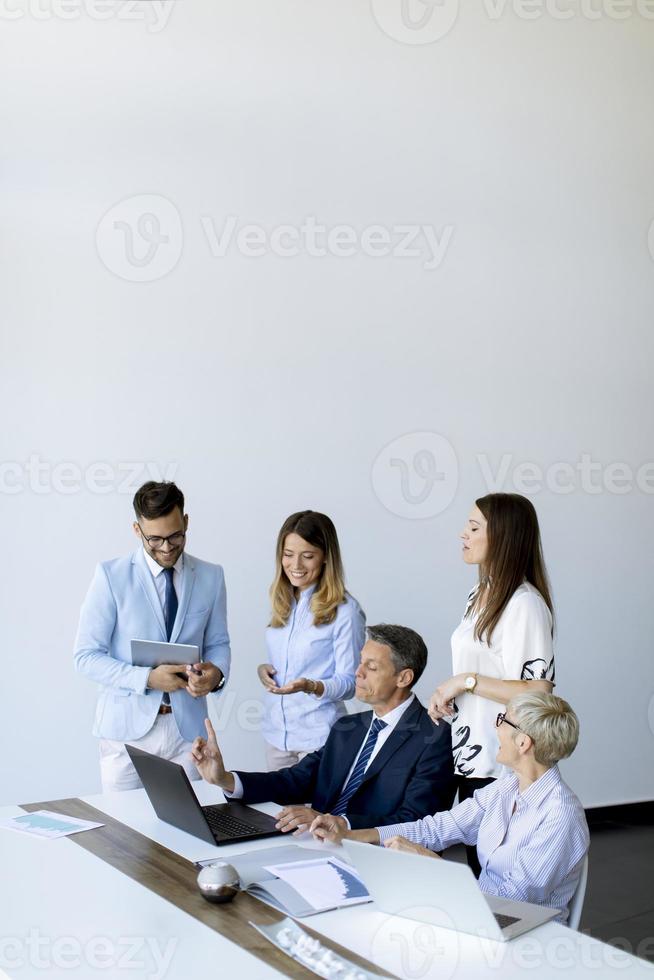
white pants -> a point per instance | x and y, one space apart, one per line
163 739
280 759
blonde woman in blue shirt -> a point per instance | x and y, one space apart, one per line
315 636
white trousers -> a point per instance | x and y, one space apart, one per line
279 759
163 739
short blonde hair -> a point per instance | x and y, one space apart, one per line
549 721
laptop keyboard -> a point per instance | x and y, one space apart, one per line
505 920
224 825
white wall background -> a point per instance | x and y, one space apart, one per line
271 384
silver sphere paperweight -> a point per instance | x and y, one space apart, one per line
218 882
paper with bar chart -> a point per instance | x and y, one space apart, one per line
45 823
323 883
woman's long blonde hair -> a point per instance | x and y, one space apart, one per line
330 592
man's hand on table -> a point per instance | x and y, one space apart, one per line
301 818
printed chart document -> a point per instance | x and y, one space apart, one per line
324 883
45 823
298 881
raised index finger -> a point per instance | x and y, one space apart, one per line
210 731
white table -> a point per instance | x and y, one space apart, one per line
58 890
64 913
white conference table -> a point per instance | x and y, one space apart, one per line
64 912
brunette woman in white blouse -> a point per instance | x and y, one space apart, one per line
314 641
503 645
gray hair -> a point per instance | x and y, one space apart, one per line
549 721
407 647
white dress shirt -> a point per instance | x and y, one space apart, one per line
391 719
160 579
530 845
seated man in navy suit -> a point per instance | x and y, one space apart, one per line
385 765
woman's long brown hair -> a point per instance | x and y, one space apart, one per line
514 555
329 593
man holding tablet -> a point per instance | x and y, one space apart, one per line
158 593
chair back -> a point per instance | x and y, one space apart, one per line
577 900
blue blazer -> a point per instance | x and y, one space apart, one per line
123 604
411 775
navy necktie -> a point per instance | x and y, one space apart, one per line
171 602
170 612
359 770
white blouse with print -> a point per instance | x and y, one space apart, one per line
520 649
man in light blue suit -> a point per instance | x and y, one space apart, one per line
157 593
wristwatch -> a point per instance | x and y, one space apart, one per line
470 683
220 685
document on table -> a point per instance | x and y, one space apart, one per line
296 880
324 883
45 823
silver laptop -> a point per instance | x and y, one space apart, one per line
442 893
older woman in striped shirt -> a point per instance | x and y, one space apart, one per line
529 827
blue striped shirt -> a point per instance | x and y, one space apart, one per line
531 845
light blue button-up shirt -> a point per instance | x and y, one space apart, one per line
329 653
534 854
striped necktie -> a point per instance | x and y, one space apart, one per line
359 770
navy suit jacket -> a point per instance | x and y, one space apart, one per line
411 775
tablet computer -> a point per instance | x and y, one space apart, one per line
153 653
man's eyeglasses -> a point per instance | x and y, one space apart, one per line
156 542
502 719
